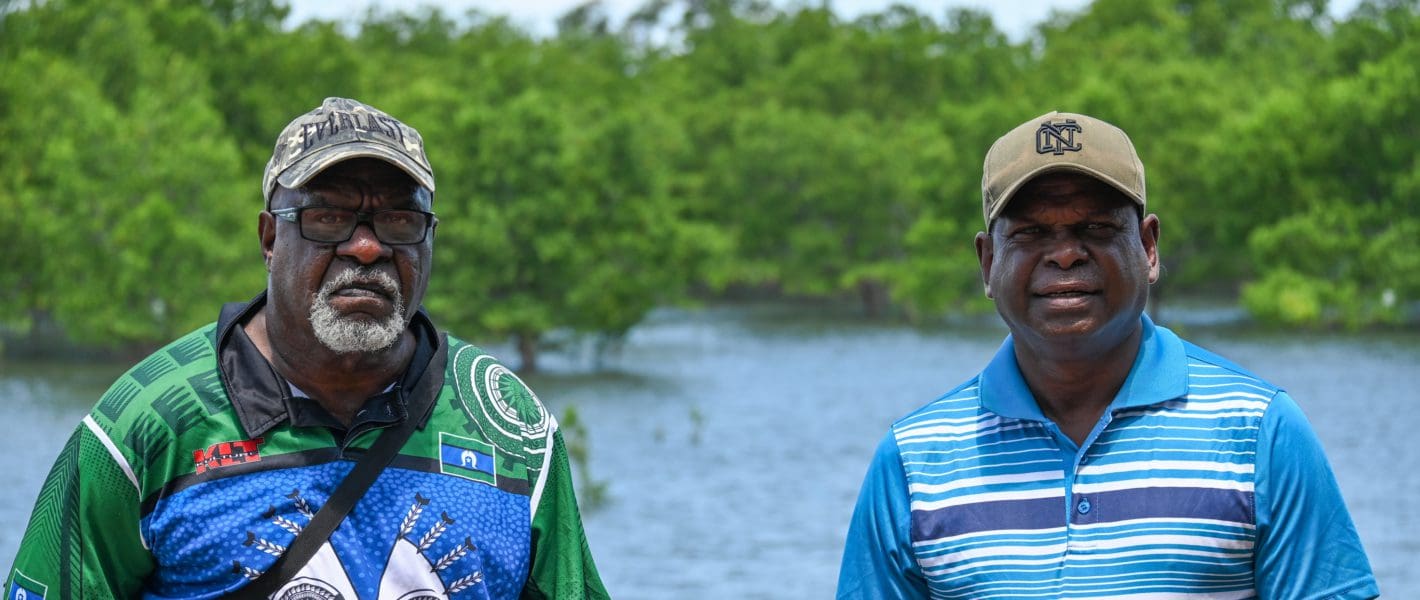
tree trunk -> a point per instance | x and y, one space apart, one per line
527 352
874 297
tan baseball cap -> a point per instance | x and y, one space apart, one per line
1055 142
338 130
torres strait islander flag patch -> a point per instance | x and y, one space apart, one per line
24 588
467 458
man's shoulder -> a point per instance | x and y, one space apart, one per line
493 397
172 380
476 369
1209 369
961 402
151 412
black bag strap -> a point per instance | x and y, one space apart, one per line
352 488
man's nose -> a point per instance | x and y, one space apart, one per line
1066 250
364 247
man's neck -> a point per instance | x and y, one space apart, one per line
1074 386
340 383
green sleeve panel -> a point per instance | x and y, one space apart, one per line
562 567
83 538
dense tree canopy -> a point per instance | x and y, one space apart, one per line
703 145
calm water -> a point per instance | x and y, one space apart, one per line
731 442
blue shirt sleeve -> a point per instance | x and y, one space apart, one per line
877 558
1307 546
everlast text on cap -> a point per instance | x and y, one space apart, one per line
1056 142
338 130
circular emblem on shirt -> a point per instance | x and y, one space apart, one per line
493 396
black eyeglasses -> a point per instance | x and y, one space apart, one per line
331 225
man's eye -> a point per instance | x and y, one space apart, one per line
327 217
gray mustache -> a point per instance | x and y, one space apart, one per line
364 276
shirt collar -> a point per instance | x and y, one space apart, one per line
1159 374
263 399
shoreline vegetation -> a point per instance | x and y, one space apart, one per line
702 151
593 351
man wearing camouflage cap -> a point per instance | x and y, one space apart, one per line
323 440
1097 455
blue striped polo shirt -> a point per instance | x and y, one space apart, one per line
1200 481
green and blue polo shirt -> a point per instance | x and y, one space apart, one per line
198 467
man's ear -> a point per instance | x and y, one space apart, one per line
985 253
1149 236
266 230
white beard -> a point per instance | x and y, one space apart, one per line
345 335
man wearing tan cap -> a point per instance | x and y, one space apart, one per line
323 440
1097 455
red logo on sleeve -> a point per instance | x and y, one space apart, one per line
227 454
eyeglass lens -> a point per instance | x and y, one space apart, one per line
328 224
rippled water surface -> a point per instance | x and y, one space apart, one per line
729 443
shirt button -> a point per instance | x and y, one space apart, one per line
1083 506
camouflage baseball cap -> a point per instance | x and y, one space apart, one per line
338 130
1056 142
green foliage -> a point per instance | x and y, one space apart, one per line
1335 212
594 491
565 219
115 158
1338 264
587 177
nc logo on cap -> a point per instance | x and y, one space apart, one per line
1057 138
